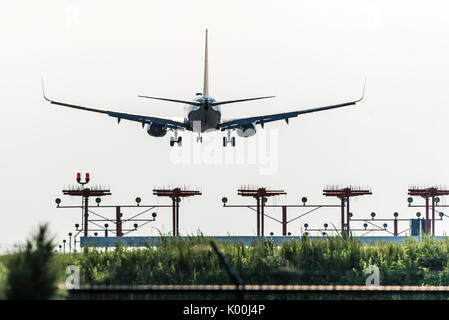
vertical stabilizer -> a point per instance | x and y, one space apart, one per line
206 73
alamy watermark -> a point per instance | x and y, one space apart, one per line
73 280
261 150
373 279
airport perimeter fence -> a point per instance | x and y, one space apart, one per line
251 292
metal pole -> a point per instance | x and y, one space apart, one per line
284 220
263 217
427 215
86 214
395 224
174 216
342 215
118 219
258 216
433 216
347 215
177 215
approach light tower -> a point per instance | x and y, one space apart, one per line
261 196
427 193
344 194
85 193
175 194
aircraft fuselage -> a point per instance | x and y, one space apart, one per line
205 117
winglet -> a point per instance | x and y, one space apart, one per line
363 92
43 91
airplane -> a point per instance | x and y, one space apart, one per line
203 114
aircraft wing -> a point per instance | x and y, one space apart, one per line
235 123
172 124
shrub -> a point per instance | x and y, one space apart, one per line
32 274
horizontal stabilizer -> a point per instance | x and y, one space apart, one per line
173 100
240 100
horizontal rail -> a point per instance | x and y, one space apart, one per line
265 289
123 221
114 206
283 205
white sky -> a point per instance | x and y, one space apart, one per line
104 53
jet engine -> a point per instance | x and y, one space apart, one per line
246 130
156 130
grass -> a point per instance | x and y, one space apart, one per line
331 260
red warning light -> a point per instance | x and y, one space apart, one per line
78 176
87 177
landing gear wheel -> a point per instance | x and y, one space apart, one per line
225 141
233 141
177 140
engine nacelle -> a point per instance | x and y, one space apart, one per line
156 130
246 130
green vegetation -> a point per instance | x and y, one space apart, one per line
31 271
324 261
332 260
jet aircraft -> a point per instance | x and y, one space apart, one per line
203 114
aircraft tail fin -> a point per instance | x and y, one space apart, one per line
206 72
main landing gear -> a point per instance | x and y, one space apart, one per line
229 139
175 139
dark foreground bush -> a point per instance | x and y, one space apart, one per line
31 271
